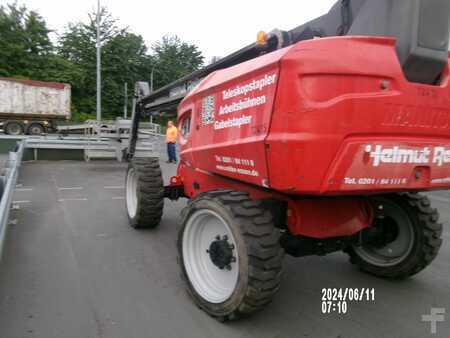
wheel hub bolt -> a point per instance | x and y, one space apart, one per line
220 252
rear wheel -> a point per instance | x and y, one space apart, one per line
144 193
14 128
404 238
229 253
35 129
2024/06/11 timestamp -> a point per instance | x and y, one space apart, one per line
336 300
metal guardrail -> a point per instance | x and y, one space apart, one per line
100 127
119 125
100 141
9 180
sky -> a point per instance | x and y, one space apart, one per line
218 28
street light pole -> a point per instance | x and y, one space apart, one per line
99 65
151 79
151 88
125 103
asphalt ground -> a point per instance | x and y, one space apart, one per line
72 267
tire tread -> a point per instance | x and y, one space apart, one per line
264 251
430 232
151 193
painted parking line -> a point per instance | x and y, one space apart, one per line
24 189
70 188
114 187
21 202
118 198
72 199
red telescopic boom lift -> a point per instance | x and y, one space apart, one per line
310 141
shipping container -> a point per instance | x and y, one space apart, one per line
32 107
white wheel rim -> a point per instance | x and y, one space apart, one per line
132 200
210 282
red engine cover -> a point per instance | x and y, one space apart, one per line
347 121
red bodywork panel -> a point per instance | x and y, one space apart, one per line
348 99
324 218
325 117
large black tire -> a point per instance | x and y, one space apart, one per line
426 240
35 128
145 208
14 128
256 244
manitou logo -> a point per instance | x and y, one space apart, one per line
398 155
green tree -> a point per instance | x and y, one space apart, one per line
173 59
124 60
24 43
78 45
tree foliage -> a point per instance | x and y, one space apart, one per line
24 42
174 58
26 51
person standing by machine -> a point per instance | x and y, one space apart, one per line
171 141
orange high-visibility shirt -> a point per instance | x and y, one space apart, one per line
171 135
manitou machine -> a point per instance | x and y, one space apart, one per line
308 142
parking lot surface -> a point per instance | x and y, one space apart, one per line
73 268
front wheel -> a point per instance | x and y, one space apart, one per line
144 193
404 238
230 254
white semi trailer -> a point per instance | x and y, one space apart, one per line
32 107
